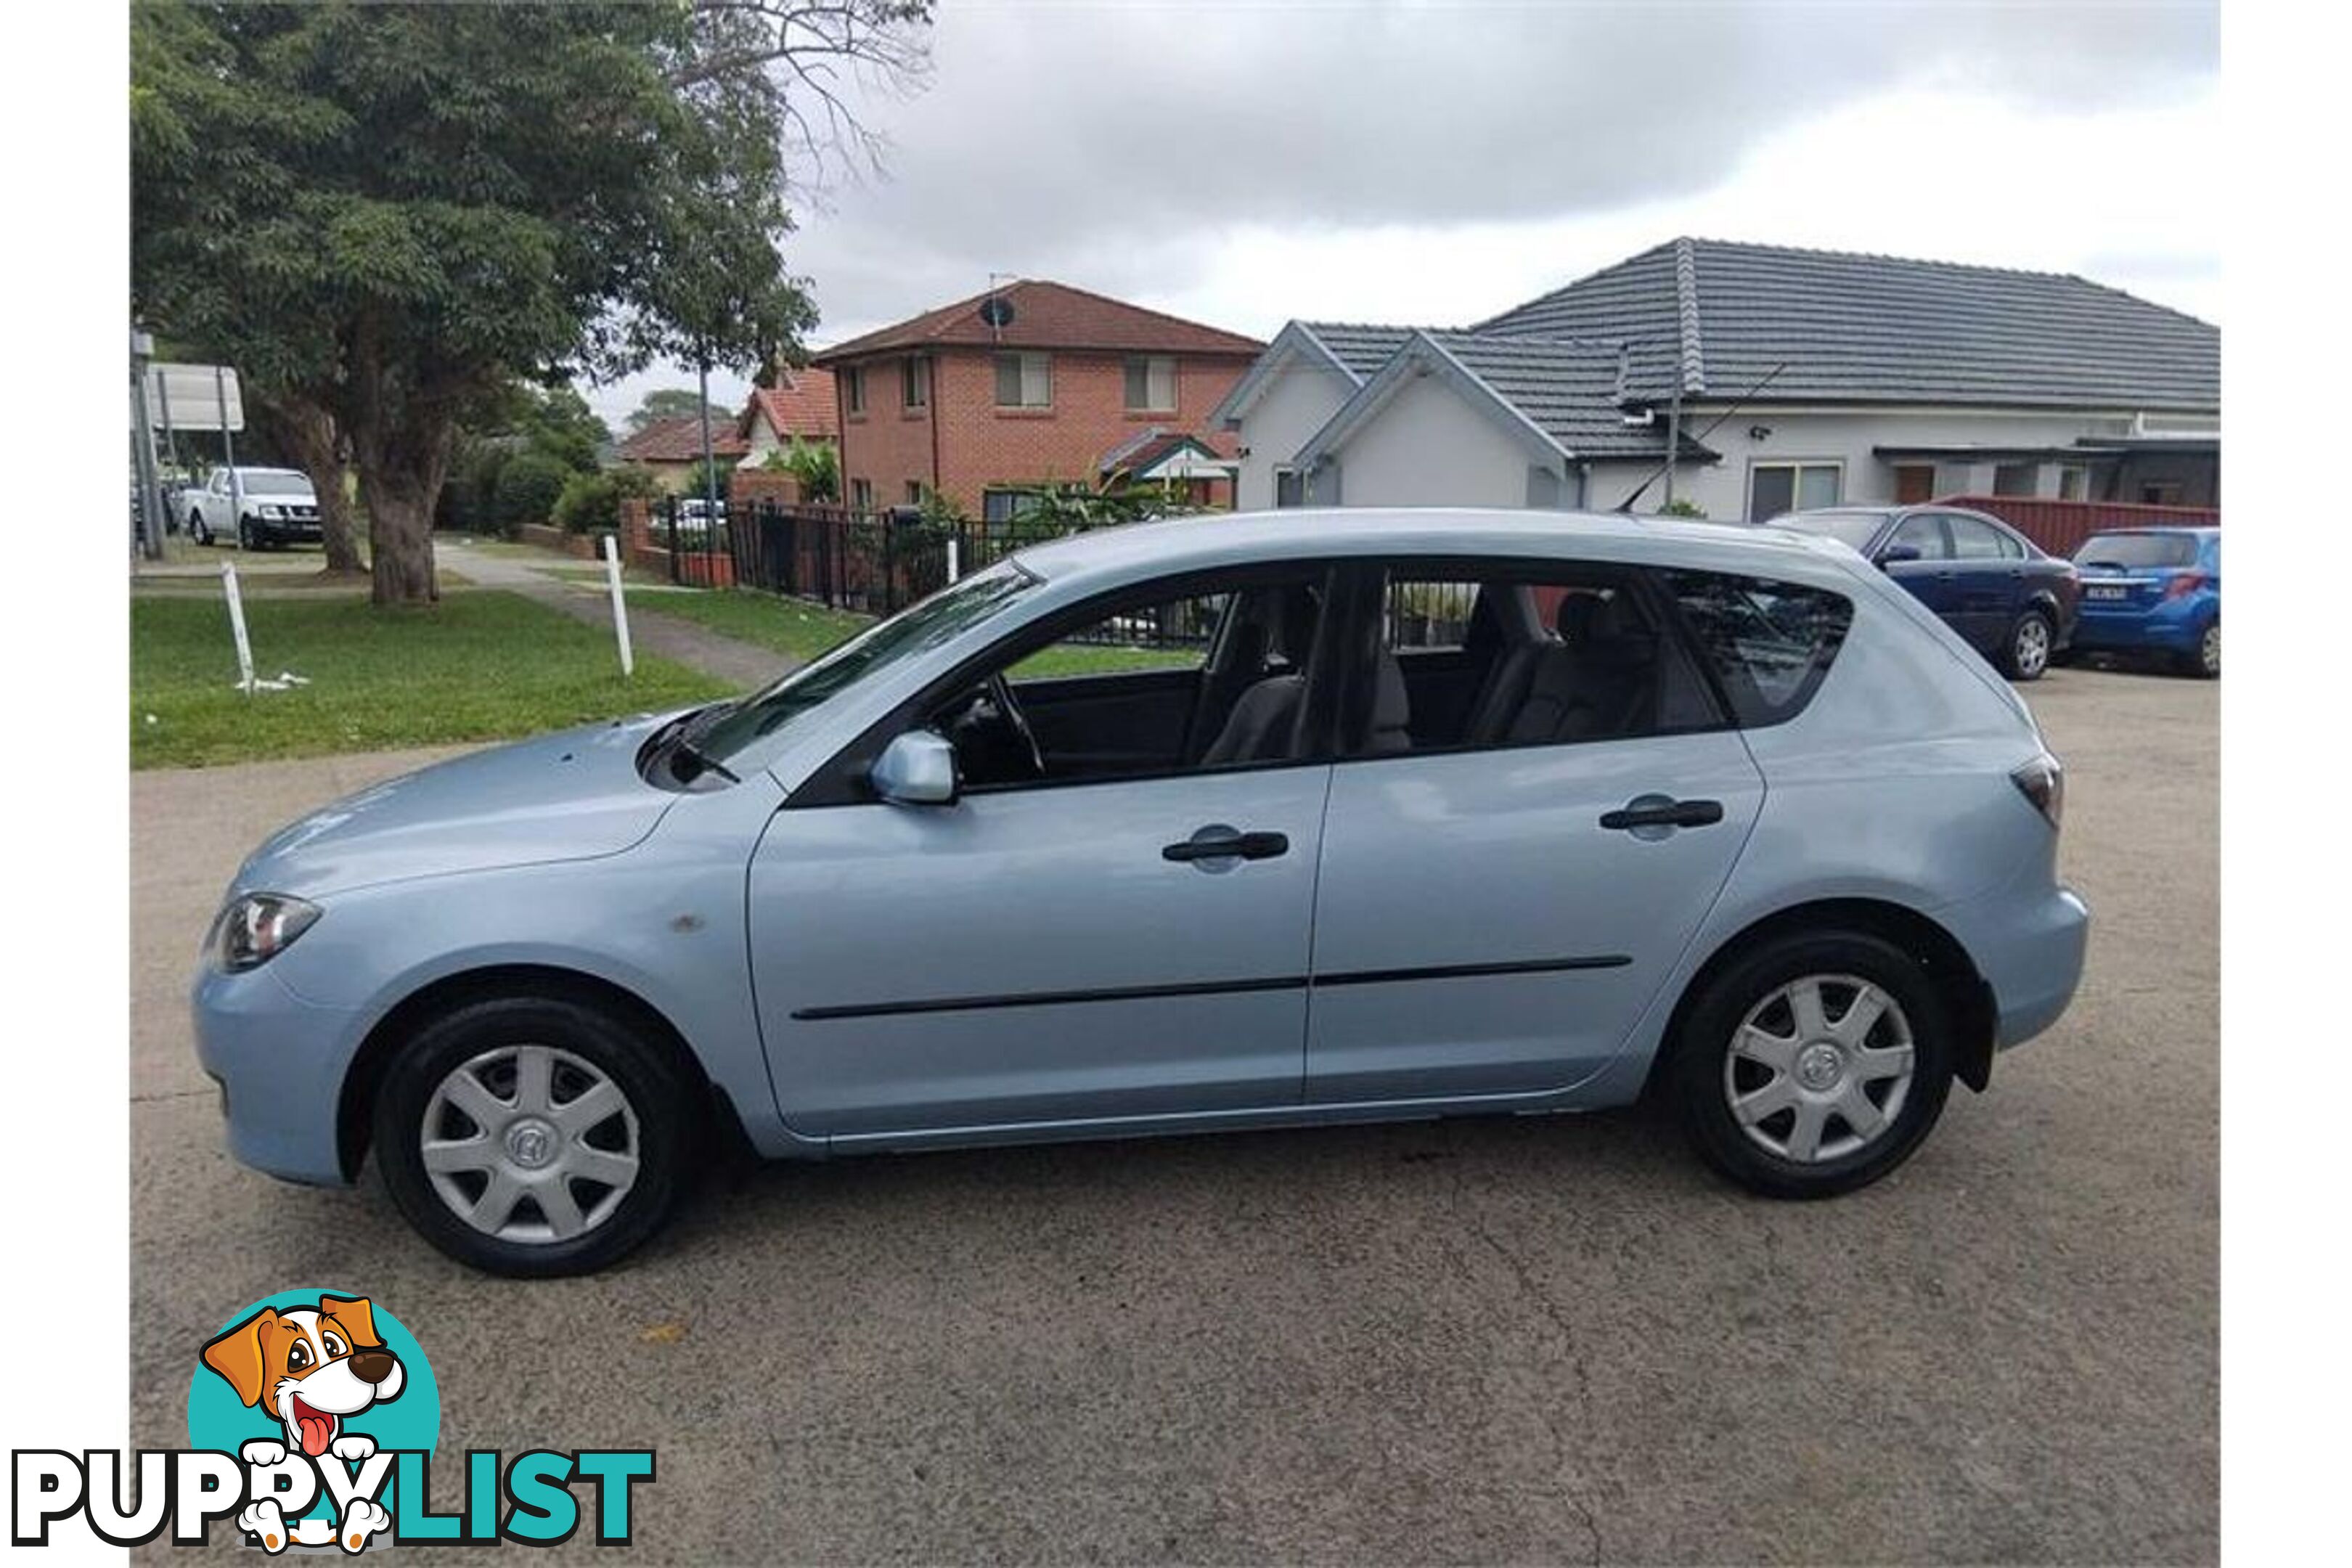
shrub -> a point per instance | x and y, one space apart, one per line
529 485
590 503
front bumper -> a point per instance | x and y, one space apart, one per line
294 531
280 1062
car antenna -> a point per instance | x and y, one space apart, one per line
1659 472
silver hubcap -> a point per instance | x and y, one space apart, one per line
2210 650
530 1144
1820 1068
2033 646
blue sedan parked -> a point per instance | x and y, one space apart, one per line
1349 816
2153 590
1990 583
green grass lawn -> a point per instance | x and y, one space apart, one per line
794 628
477 666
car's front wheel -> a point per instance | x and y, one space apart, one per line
196 529
2026 655
533 1135
1815 1063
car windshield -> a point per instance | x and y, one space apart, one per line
2137 551
1854 528
271 482
918 629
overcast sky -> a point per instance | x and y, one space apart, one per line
1436 161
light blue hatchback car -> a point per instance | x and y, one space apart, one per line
1298 817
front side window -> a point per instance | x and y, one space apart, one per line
1769 643
1210 674
1024 380
1150 383
1923 533
974 601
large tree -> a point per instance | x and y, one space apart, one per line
388 213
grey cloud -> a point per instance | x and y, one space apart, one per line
1111 143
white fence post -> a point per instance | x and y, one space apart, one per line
620 605
955 572
236 625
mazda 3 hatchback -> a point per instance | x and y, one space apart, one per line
1289 818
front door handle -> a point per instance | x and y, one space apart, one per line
1218 842
1663 811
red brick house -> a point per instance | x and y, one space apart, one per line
1033 382
800 404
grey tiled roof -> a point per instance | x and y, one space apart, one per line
1568 390
1855 328
1361 347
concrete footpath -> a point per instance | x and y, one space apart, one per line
697 646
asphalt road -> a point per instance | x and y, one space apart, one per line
1536 1340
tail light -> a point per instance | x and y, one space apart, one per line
2044 782
2184 584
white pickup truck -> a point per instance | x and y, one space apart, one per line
261 509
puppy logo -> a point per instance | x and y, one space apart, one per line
311 1368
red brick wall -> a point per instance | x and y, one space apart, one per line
748 487
980 446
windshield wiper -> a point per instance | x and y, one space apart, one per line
704 762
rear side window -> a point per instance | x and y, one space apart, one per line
1769 643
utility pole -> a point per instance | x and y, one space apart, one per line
142 455
1673 439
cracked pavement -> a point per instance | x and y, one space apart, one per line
1538 1339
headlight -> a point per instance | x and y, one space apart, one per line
273 512
2044 782
255 929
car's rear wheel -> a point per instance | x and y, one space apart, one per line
1815 1063
2206 662
533 1135
2026 655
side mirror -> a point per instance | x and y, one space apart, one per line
1895 555
918 768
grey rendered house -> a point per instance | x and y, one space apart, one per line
1791 377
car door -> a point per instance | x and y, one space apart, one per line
1071 949
1926 577
1494 915
1987 583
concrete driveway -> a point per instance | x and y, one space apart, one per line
1472 1341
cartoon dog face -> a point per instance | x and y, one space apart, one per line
310 1369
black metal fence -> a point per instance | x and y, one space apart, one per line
876 562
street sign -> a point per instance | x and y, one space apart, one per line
194 398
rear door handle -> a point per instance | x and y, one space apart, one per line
1663 811
1218 842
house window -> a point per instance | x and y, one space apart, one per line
1150 383
2016 478
853 388
1289 487
861 495
1024 380
914 492
2160 492
915 383
1775 488
1005 506
2074 484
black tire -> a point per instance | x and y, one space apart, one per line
665 1108
2205 663
1701 1077
2025 651
244 534
196 530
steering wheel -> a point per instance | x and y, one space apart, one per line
1000 692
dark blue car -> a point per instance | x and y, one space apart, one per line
2153 590
1989 583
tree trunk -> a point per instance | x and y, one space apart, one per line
309 431
401 463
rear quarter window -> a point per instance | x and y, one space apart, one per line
1769 643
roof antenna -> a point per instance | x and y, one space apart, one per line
1674 452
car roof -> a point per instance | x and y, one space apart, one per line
2193 530
1224 538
